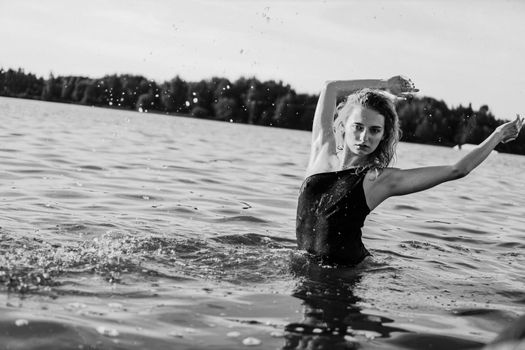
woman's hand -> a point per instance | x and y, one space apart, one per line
400 86
510 130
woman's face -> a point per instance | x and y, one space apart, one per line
364 129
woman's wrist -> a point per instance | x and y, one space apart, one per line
498 136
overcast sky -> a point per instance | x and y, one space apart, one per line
457 51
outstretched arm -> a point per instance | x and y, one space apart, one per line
399 182
323 148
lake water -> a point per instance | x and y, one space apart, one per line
122 230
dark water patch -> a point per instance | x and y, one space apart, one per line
33 171
253 239
491 313
520 300
186 181
181 168
406 207
332 317
513 245
438 222
241 218
9 150
466 265
210 180
470 230
512 294
35 334
66 194
291 176
467 198
90 167
433 341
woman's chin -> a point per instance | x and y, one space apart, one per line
361 151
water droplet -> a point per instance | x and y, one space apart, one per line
277 334
350 338
251 341
195 100
21 322
233 334
109 332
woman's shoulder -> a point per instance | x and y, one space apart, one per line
378 175
324 164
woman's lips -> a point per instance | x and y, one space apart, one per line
362 146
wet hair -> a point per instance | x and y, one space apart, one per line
382 103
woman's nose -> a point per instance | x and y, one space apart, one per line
363 135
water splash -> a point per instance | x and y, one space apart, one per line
36 265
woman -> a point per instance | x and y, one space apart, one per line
348 174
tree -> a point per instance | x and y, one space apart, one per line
226 109
52 89
174 95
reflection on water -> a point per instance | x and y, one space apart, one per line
332 317
122 230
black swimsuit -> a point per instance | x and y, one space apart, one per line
330 214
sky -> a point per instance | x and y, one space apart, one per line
458 51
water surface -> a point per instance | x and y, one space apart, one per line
122 230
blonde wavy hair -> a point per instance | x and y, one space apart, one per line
381 102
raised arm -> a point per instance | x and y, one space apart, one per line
323 150
395 182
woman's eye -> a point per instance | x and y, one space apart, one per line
358 127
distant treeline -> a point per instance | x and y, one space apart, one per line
248 100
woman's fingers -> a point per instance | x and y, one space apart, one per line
401 86
410 86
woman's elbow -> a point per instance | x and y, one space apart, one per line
329 85
457 172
